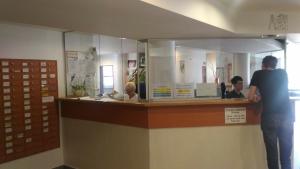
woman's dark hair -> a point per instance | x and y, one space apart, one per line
270 62
235 79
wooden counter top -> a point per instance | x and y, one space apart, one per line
162 114
160 103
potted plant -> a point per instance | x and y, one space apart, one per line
78 86
78 90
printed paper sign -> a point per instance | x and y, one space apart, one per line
235 115
184 90
162 91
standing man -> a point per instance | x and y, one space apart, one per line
277 118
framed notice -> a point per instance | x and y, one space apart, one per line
185 90
236 115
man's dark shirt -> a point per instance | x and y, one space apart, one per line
273 87
234 94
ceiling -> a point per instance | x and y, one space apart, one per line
233 45
122 18
137 19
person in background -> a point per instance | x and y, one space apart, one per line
130 92
277 118
237 83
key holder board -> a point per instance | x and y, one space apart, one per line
29 121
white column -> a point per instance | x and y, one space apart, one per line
241 66
161 64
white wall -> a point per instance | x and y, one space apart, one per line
220 147
24 42
193 59
94 145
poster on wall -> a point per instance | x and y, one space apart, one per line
81 72
185 90
161 91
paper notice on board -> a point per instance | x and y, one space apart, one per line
72 60
47 99
185 90
235 115
161 91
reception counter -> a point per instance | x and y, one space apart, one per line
186 134
163 114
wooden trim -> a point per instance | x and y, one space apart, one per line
107 113
156 115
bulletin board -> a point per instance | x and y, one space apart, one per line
29 121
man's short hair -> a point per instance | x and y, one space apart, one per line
270 62
235 79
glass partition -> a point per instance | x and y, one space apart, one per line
196 68
100 65
161 68
158 69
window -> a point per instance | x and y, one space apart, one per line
106 79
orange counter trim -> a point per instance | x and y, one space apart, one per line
158 114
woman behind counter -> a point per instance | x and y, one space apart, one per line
130 92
